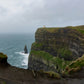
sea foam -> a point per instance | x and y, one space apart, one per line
25 58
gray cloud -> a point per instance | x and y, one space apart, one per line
25 16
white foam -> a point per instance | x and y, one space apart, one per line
25 58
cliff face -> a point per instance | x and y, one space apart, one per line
54 41
13 75
66 43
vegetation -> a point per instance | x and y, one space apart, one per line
42 54
65 53
52 74
75 65
59 63
79 28
2 55
51 29
37 45
54 29
63 61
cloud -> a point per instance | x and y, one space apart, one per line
25 16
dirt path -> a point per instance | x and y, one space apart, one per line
13 75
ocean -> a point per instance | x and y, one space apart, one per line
13 46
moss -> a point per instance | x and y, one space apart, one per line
2 55
49 29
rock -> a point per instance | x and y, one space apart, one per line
3 59
66 43
25 49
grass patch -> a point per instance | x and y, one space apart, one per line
42 54
79 28
57 62
49 29
65 53
37 45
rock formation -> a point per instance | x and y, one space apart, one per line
50 59
3 59
65 43
25 49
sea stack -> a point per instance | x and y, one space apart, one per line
25 49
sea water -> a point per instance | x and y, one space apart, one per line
13 46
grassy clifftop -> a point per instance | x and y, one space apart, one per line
54 29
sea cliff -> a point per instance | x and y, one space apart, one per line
55 48
56 57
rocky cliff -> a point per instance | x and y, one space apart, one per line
13 75
57 56
3 60
56 45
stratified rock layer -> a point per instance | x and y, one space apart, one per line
66 43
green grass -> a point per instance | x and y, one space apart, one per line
2 55
65 53
42 54
79 28
56 61
37 45
49 29
75 65
61 63
55 29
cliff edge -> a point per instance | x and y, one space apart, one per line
55 48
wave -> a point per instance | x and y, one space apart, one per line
25 58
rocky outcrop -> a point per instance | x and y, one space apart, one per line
25 49
3 60
66 43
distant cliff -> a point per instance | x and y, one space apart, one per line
56 45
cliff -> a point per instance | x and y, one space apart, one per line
55 48
13 75
3 60
57 56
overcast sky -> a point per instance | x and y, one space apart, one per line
25 16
